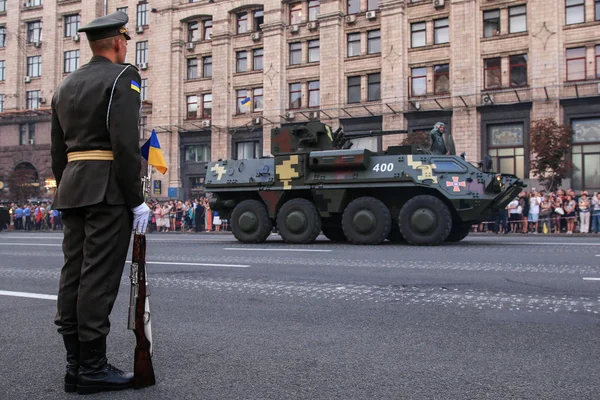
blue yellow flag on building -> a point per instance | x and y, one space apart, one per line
151 151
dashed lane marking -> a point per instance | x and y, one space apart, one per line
591 279
30 295
272 249
199 264
31 244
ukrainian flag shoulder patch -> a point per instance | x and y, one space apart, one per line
135 86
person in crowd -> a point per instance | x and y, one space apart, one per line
569 207
534 210
596 212
514 214
524 203
584 213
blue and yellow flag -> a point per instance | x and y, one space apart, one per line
151 151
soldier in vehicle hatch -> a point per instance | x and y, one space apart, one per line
441 143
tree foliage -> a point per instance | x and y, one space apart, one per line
550 143
21 185
419 138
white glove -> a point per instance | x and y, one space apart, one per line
140 218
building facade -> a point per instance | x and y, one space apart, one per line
218 75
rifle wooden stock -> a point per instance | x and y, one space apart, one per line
143 371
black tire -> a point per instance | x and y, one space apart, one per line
298 221
395 235
334 233
458 234
425 221
375 217
250 222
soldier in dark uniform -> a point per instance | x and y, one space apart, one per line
96 161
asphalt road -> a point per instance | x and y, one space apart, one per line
492 317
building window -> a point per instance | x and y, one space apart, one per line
295 53
575 11
353 89
26 134
374 42
2 9
193 32
314 53
441 33
372 5
418 34
72 24
313 9
144 90
505 146
314 94
242 23
242 101
586 154
597 11
257 99
2 36
122 9
241 61
597 62
192 68
143 125
517 21
441 79
34 31
208 25
142 14
1 102
295 95
418 81
192 107
33 3
259 19
32 99
71 61
353 6
207 105
295 13
353 44
492 73
207 67
34 66
373 87
2 70
576 70
257 59
491 23
141 52
197 153
518 70
247 150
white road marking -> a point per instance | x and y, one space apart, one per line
271 249
148 239
198 264
30 295
591 279
31 244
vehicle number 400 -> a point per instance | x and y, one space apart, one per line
383 167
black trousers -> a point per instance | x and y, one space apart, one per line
96 240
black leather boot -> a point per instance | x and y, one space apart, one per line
96 374
72 346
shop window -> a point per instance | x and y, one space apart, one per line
586 154
505 146
197 153
247 150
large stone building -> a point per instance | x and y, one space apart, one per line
219 74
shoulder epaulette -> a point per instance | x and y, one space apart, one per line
134 66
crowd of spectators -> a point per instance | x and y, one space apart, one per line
548 212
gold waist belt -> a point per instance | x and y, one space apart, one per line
104 155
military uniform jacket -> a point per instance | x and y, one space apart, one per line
97 107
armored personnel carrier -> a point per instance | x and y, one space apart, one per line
315 182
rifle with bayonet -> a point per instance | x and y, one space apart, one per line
139 309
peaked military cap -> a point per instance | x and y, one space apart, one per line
107 26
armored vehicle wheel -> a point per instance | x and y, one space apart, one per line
334 233
298 221
458 234
250 222
366 220
395 236
425 221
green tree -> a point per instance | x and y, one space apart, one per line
550 143
22 184
419 138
